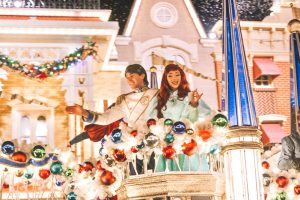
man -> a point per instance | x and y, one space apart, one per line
131 107
290 152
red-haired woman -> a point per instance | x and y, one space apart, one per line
176 101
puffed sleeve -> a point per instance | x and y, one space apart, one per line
287 158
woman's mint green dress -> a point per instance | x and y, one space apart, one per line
177 110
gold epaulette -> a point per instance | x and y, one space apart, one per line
121 98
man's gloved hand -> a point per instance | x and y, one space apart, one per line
96 132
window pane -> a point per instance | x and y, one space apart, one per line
41 129
25 129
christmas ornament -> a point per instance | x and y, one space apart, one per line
214 149
219 120
134 133
7 147
205 134
169 138
151 140
38 152
140 146
189 148
190 131
116 136
98 165
267 179
168 122
28 175
151 122
107 178
297 189
134 149
72 196
88 166
282 181
119 155
44 173
56 168
179 127
19 156
169 152
19 173
69 172
109 161
265 165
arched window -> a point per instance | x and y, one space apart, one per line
25 128
41 129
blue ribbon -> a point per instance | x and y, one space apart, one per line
33 162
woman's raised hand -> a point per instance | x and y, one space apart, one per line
195 98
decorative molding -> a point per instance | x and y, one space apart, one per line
172 11
102 14
132 18
122 41
272 118
165 41
195 19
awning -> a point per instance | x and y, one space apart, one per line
264 66
272 133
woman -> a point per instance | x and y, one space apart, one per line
176 101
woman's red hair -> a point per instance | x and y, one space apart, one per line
165 89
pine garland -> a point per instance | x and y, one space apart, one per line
48 69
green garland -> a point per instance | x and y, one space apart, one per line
49 69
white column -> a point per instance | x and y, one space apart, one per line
242 164
51 128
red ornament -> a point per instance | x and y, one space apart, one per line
134 133
169 152
134 149
98 165
42 76
265 165
88 166
282 181
204 134
5 186
19 156
189 148
44 173
119 155
297 189
151 122
80 169
107 178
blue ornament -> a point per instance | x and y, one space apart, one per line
179 127
56 168
214 149
8 147
103 141
116 135
72 196
140 146
59 183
